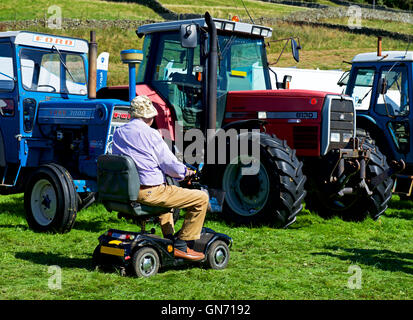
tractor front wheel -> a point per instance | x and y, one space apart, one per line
358 205
50 200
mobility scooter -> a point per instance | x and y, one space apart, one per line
143 253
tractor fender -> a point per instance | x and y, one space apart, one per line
371 128
367 117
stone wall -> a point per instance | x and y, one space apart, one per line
340 12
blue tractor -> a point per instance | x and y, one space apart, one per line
382 88
52 127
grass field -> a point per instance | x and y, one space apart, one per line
310 260
75 9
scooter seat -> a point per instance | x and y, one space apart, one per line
118 186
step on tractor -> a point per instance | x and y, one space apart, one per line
381 84
214 74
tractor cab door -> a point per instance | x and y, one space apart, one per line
384 93
9 115
175 77
392 105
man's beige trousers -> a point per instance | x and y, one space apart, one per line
194 201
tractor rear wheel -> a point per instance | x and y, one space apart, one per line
354 207
273 195
50 200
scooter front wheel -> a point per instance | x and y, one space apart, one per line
218 255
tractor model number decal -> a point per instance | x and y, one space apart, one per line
292 115
66 113
275 115
306 115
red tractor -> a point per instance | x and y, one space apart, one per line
212 73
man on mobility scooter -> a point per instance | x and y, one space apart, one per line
132 181
154 160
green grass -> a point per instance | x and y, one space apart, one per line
75 9
310 260
406 28
230 8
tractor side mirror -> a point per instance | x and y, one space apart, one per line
189 36
382 86
286 82
343 79
295 48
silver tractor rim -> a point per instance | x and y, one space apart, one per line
245 198
43 202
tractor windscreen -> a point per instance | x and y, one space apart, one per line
175 77
242 64
6 68
43 71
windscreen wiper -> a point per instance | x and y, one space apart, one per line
63 63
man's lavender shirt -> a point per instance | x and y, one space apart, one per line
151 154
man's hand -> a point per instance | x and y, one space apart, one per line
189 173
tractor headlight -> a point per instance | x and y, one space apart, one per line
256 30
347 137
335 137
229 26
218 24
262 115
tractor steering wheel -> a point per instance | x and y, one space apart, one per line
47 85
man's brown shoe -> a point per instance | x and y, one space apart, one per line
189 254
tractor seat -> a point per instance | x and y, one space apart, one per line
118 187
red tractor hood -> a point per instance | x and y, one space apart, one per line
276 101
293 115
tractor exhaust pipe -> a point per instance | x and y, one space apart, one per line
93 55
379 46
211 101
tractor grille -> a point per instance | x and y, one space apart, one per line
338 123
342 116
341 122
305 137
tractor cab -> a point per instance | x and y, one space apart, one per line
34 67
382 88
178 71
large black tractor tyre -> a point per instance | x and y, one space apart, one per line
354 207
50 200
273 196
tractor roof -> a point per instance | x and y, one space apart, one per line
386 56
43 40
221 24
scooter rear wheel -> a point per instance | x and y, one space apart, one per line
145 262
